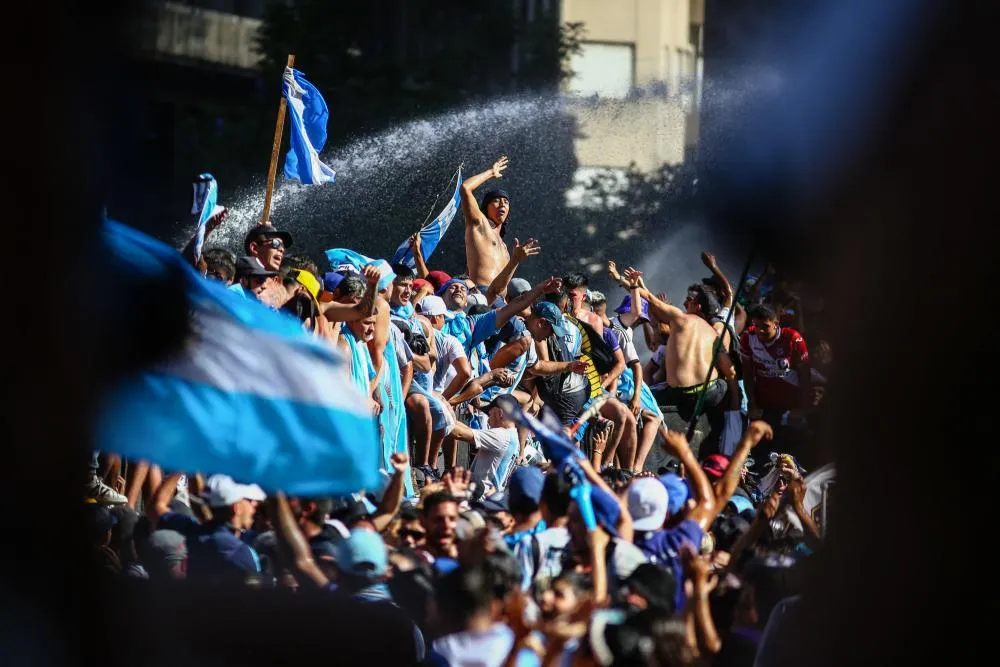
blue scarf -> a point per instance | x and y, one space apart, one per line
404 312
362 370
392 420
458 325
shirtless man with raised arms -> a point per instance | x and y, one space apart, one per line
688 355
485 226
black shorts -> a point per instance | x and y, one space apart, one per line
568 406
686 398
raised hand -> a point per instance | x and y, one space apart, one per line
400 462
760 430
529 249
499 166
789 470
457 481
796 490
601 439
634 277
551 285
708 259
415 241
613 271
216 220
371 274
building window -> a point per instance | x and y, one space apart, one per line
604 70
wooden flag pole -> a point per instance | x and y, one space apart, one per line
275 149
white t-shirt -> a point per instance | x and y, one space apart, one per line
404 354
492 444
552 544
625 340
488 648
448 350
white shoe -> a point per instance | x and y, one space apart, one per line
102 494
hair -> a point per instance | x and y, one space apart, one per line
301 306
324 506
352 286
465 592
504 573
300 262
556 297
574 279
522 506
555 495
403 272
409 514
763 312
706 299
435 499
581 582
221 261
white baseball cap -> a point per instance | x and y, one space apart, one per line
647 503
432 305
222 491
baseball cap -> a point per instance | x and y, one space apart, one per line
267 229
548 312
517 287
307 280
647 503
437 279
331 279
654 584
627 307
525 483
715 465
475 299
167 546
677 492
101 519
741 504
251 266
432 305
363 554
222 491
418 283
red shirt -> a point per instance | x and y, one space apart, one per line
775 367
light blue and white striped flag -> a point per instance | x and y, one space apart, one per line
431 233
250 395
341 258
308 114
206 194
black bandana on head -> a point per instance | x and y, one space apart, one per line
498 193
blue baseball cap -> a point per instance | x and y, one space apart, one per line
627 307
526 482
547 311
677 492
741 503
363 554
331 279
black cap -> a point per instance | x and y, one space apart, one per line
267 229
251 266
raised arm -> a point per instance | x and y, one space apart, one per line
526 300
511 351
393 496
757 431
418 255
521 253
470 207
663 311
210 226
348 312
377 345
704 510
708 259
292 542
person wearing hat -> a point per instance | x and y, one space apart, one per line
254 277
565 387
485 226
524 497
216 554
268 244
497 447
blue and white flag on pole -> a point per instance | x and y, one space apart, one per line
308 114
250 395
206 194
431 233
344 258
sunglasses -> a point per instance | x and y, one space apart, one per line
417 535
274 244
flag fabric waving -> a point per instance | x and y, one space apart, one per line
250 395
344 258
308 116
206 194
431 233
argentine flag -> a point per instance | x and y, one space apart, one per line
431 233
308 114
344 258
250 395
206 194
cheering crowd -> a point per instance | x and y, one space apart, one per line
559 542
